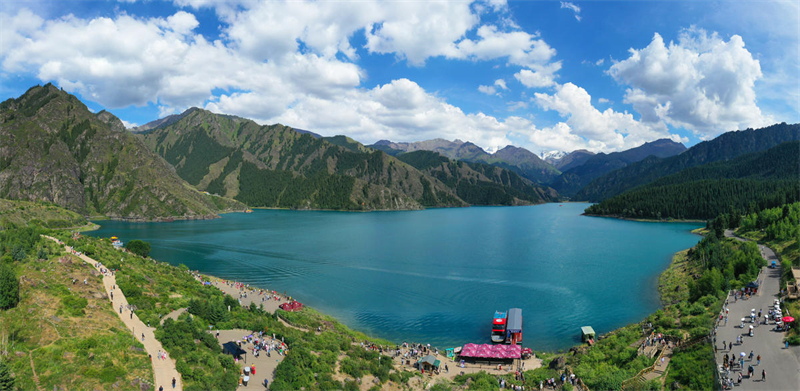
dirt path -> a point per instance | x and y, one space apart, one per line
164 370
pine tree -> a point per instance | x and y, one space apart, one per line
9 287
6 380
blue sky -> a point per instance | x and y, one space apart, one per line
543 75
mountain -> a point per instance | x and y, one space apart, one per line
170 119
747 183
573 159
276 166
519 160
575 178
727 146
552 157
478 183
52 148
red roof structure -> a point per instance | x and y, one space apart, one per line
291 306
491 351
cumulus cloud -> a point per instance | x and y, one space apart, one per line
572 7
400 110
603 100
605 130
488 90
702 83
540 76
501 83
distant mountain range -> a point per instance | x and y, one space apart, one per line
52 148
744 184
519 160
725 147
573 179
277 166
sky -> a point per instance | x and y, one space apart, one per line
543 75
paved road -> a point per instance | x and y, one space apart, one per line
782 365
164 370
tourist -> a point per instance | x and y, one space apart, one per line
758 360
763 375
173 382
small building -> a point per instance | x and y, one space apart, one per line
428 363
587 334
514 326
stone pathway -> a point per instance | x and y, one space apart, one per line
782 365
164 370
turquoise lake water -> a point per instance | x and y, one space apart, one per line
437 276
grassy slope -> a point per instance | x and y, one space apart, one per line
75 344
43 214
157 288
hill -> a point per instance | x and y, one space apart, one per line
63 329
578 176
749 182
42 214
727 146
573 159
276 166
478 183
52 148
519 160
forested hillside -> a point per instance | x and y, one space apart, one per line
52 148
575 178
477 183
724 147
275 166
746 184
519 160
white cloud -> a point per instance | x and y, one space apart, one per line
600 62
603 100
701 83
488 90
129 125
399 111
572 7
501 83
540 76
605 131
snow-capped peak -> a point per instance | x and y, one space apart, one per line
550 156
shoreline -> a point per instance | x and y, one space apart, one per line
663 304
618 217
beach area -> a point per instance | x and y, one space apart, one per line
403 356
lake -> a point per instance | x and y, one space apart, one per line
437 276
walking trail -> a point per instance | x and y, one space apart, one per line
164 370
782 365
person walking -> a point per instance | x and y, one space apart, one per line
173 382
763 375
758 360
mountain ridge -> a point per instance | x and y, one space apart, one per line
724 147
52 148
276 166
576 177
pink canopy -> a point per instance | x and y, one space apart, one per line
491 351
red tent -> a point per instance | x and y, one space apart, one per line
291 306
491 351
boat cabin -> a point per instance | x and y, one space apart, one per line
499 327
587 334
514 326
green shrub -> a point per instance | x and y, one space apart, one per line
74 305
9 287
138 247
